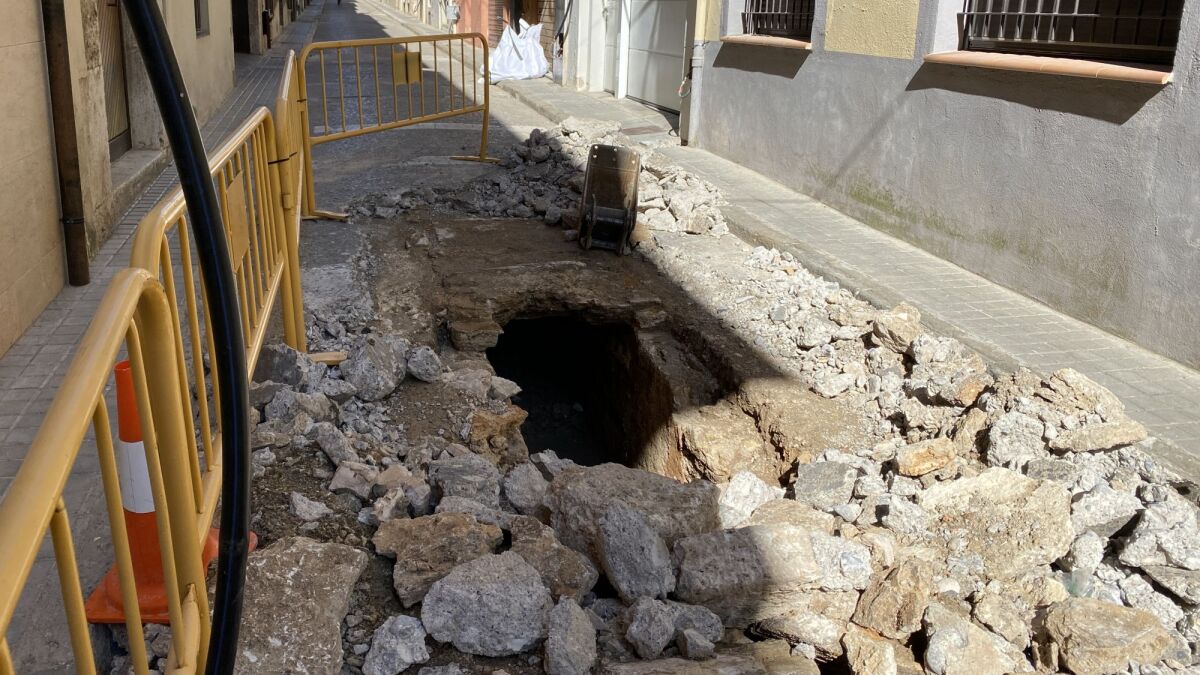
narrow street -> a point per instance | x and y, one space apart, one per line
770 440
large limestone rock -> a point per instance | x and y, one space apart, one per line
297 593
427 548
1085 635
745 493
397 644
571 640
757 572
1011 522
716 441
565 571
375 365
1102 436
791 512
491 606
894 603
956 646
896 328
281 364
804 626
868 653
824 485
633 556
579 496
1167 533
469 476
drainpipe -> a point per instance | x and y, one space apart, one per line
66 143
689 122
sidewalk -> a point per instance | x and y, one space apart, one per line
32 369
1007 328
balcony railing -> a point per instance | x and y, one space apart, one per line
1118 30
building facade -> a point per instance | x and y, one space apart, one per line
1051 151
80 109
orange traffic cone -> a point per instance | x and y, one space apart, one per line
105 604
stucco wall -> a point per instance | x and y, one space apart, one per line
206 61
1080 193
31 258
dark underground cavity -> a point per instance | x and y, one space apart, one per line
591 394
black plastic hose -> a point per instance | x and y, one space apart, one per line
229 357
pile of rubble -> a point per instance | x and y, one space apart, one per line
544 178
1035 534
996 523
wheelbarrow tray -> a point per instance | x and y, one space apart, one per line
608 208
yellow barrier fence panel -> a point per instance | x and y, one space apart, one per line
156 314
357 87
135 315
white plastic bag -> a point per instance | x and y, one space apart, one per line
519 56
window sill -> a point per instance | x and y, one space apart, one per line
767 41
1026 63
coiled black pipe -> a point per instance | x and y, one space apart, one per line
229 358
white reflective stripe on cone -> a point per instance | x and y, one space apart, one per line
136 496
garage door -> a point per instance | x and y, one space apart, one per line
657 32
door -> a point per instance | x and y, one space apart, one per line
612 37
657 37
112 61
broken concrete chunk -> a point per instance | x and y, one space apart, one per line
375 365
803 626
525 488
1103 510
304 587
495 605
354 477
918 459
791 512
308 510
1014 440
579 496
334 444
633 556
894 603
424 364
651 627
956 646
1098 437
1092 636
427 548
868 653
744 493
1011 522
397 644
280 363
760 571
469 476
1183 584
289 404
1167 533
823 485
570 640
896 328
565 571
692 645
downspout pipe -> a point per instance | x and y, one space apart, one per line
66 142
229 357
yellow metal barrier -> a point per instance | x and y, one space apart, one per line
388 83
137 314
156 311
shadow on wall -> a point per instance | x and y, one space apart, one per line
1104 100
758 59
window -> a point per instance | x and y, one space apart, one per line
779 18
1119 30
201 17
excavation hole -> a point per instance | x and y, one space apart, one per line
589 392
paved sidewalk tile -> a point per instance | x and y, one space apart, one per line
1008 328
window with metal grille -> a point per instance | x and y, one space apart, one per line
1119 30
201 17
779 18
